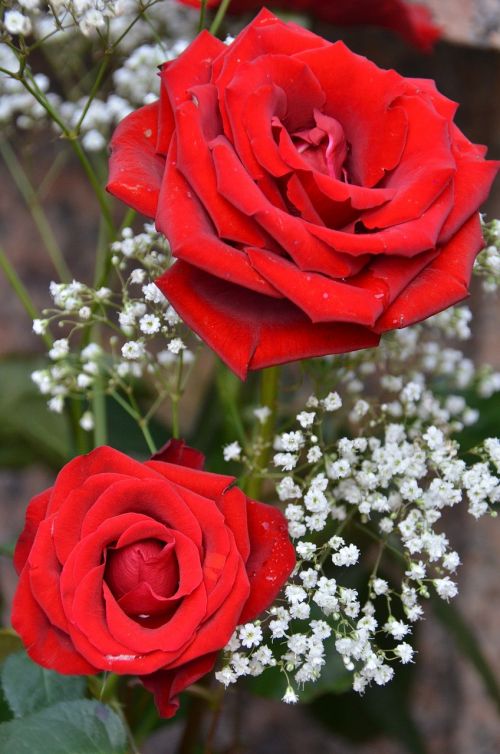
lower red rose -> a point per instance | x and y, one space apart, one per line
144 569
412 21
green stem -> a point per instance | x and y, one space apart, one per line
99 412
269 384
21 292
203 11
99 191
30 197
219 17
93 92
133 411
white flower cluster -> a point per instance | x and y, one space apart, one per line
134 317
488 261
145 35
376 498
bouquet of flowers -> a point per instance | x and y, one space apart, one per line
255 422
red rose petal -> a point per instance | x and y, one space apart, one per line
233 505
418 181
193 159
471 184
70 516
322 299
44 572
176 451
192 68
202 482
135 170
250 331
272 557
76 472
35 513
167 684
183 219
442 284
45 644
156 498
214 633
290 232
354 85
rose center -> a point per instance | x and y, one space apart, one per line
149 564
323 146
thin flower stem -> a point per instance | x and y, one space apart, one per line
21 292
219 17
99 412
93 92
133 411
31 198
101 196
203 12
175 398
217 710
268 397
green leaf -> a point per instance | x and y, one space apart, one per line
468 644
381 711
28 430
78 727
9 643
29 687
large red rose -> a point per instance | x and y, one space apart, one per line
412 21
312 199
144 569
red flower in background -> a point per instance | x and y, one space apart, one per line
313 200
144 568
412 21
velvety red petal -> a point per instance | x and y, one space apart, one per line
70 516
44 572
192 68
91 635
471 184
176 451
233 505
156 498
194 160
389 276
407 239
214 633
192 236
35 513
355 85
295 236
359 197
184 550
427 165
265 34
167 684
170 637
202 482
441 284
272 557
45 644
250 331
75 473
322 299
135 169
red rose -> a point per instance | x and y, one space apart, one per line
312 199
412 21
143 568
